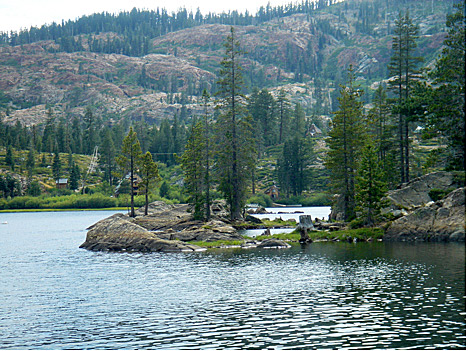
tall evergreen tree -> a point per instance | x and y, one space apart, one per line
208 154
370 185
382 130
75 176
128 160
262 108
403 69
345 141
235 157
9 159
291 166
107 158
193 164
30 162
298 126
57 166
447 106
283 110
149 174
48 138
90 132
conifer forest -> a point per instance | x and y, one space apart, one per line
330 102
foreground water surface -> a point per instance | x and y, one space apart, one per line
54 295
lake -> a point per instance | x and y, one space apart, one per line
54 295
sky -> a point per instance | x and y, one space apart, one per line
22 14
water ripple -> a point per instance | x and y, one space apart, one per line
353 296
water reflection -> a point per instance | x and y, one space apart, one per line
324 295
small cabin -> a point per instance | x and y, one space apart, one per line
314 131
272 192
62 183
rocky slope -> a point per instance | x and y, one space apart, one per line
444 220
422 219
36 76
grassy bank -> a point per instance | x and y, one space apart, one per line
73 202
64 209
216 244
361 234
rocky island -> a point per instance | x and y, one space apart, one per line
166 228
171 228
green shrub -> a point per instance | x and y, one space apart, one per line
33 203
357 223
438 194
459 178
18 202
261 199
319 199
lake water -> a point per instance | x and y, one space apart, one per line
285 213
54 295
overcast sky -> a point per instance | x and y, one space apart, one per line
18 14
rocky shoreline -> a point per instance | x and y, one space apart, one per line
171 228
166 228
419 218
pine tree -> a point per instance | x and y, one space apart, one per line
208 154
43 161
90 135
164 190
9 160
345 142
403 70
447 107
262 108
235 156
381 129
149 175
283 107
107 158
370 185
48 138
298 126
291 166
193 164
75 177
56 166
196 162
30 162
127 162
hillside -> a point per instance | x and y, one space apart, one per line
305 53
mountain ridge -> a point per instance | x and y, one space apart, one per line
306 50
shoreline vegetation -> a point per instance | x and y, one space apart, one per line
103 202
347 235
24 210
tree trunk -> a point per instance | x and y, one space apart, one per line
132 204
146 200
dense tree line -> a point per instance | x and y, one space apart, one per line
370 153
138 26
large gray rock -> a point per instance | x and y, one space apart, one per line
415 193
273 244
165 228
214 230
443 220
118 233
